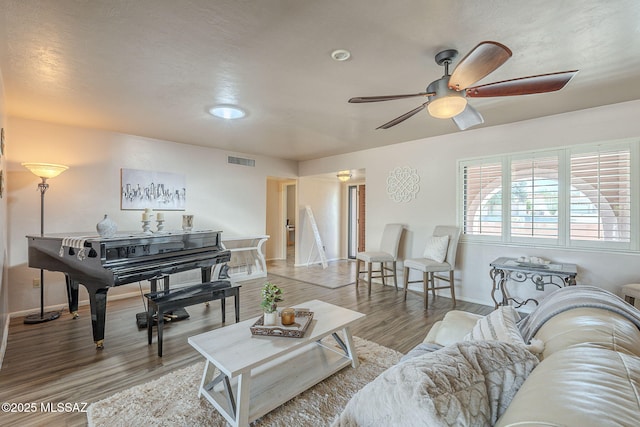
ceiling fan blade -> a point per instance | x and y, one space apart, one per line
523 86
403 117
468 118
482 60
361 99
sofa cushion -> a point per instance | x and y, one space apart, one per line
579 386
436 248
464 384
592 327
452 328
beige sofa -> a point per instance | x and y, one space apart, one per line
586 373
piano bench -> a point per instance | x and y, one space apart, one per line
164 301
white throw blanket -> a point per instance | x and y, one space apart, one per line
465 384
571 297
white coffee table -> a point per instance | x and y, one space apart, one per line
256 374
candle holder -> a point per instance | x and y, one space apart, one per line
160 225
288 316
187 222
146 227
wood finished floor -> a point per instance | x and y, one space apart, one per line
58 362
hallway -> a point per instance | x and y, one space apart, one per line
338 273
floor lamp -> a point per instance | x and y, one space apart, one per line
43 171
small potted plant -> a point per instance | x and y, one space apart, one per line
271 296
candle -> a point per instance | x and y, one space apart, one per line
288 316
145 216
160 216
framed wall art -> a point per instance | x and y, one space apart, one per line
142 189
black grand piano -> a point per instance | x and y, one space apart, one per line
100 263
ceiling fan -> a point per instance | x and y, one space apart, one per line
447 96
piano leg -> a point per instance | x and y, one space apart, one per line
206 274
98 302
72 296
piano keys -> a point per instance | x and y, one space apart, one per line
101 263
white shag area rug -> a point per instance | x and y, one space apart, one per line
155 403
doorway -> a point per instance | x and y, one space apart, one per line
356 220
290 221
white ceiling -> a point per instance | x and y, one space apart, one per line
154 67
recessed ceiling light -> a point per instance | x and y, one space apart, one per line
340 55
228 112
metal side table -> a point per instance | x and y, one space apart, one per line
506 269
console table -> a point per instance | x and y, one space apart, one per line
247 256
540 275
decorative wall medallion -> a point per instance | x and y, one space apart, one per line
402 184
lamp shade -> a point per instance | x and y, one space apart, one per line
45 170
446 103
446 107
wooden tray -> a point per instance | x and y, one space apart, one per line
302 321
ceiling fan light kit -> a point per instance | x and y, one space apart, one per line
446 103
447 96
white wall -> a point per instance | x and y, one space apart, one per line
225 197
435 160
4 292
324 197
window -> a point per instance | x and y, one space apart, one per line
534 197
600 201
573 197
482 198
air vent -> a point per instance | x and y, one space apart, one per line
241 161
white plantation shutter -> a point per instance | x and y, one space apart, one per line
482 198
584 196
600 201
534 196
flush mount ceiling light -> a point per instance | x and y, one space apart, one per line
340 55
344 176
228 112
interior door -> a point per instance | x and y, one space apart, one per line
356 220
361 217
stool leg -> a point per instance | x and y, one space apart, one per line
425 286
160 324
453 288
357 272
370 265
395 275
223 307
236 302
150 324
406 282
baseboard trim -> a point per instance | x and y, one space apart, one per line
65 307
5 337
